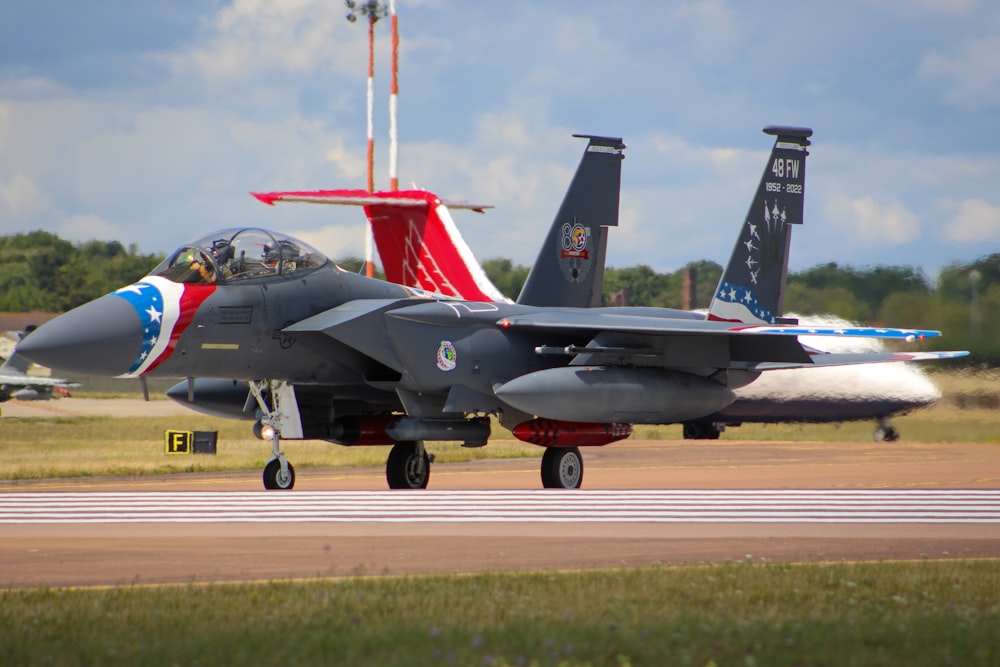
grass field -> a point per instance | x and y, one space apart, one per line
928 613
40 448
49 447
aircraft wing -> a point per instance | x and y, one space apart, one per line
850 359
33 381
595 320
660 341
349 197
29 387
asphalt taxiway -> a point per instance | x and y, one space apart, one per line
189 531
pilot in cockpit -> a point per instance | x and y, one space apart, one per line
224 256
204 268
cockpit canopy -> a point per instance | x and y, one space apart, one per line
239 254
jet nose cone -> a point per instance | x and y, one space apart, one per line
103 337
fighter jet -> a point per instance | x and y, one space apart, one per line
15 383
420 245
333 355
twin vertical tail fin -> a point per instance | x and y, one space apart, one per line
569 271
752 287
417 240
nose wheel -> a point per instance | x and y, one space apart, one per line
278 476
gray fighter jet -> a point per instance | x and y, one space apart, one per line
15 383
332 355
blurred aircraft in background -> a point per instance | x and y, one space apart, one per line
15 383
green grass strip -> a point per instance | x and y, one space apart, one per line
923 613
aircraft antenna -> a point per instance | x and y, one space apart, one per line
373 10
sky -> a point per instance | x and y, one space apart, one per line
149 123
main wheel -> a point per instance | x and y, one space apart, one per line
700 431
886 433
275 479
562 468
409 466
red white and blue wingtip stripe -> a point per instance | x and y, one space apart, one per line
165 309
930 356
828 359
909 335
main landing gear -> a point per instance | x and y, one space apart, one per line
885 432
562 468
702 430
409 465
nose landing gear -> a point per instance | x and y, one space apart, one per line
281 417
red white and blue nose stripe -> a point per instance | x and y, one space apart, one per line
165 310
123 334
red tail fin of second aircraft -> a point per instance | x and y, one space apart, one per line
417 240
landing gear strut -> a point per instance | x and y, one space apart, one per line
282 416
562 468
409 465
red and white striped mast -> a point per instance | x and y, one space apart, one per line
393 95
374 10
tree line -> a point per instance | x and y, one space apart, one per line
963 302
40 271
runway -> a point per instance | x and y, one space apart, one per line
644 503
581 507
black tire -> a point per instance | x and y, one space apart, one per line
273 479
562 468
408 467
886 434
700 431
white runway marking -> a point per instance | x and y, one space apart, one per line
806 506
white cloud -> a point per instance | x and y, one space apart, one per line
20 201
867 220
270 95
86 227
712 27
976 221
337 241
953 7
971 72
251 38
